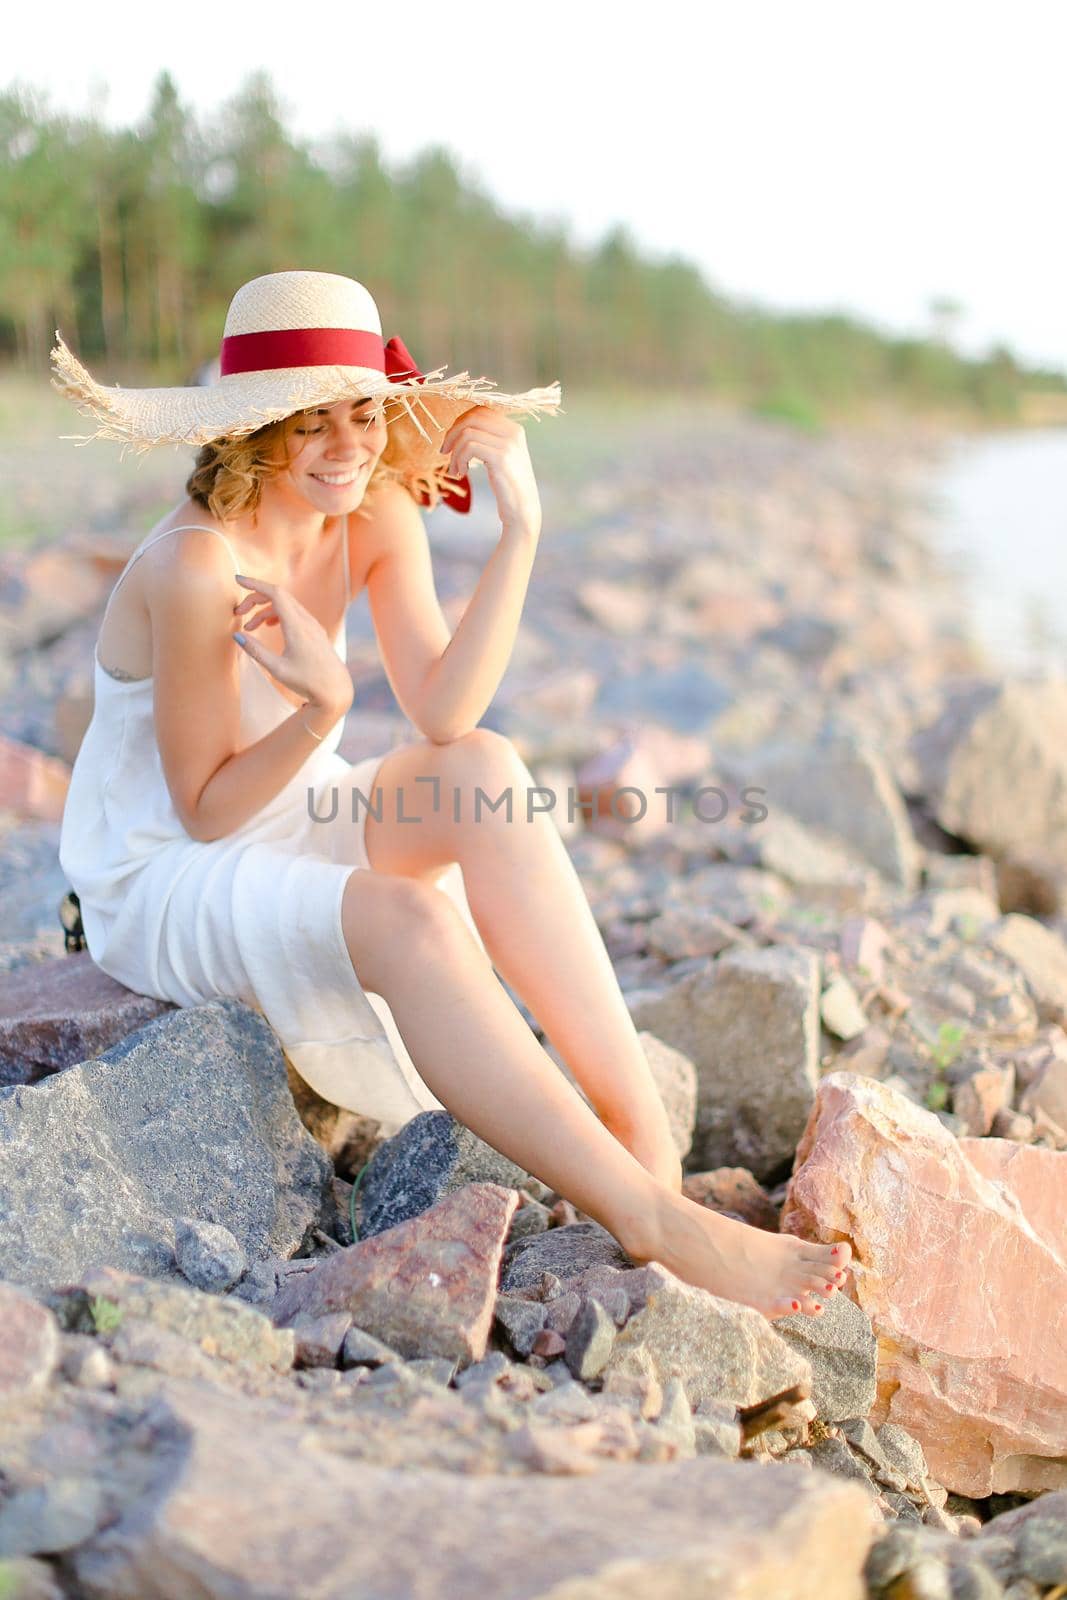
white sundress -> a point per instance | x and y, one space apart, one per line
256 914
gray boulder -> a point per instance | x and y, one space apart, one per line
430 1157
191 1115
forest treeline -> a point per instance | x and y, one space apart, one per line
133 240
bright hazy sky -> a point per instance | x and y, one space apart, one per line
857 156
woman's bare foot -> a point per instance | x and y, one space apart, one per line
776 1273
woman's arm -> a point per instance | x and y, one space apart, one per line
445 684
215 786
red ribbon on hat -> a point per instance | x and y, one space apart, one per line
400 364
330 347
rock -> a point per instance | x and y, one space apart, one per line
833 1455
427 1286
521 1320
749 1023
974 1377
902 1452
189 1115
28 1579
530 1218
689 1529
56 1013
841 785
590 1339
676 1080
563 1252
843 1354
1041 957
561 1312
979 1098
841 1011
716 1430
362 1349
208 1255
735 1191
1045 1101
970 759
32 784
721 1350
48 1518
319 1340
430 1157
548 1344
863 942
814 863
105 1299
681 932
29 1349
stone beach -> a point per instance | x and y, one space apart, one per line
825 842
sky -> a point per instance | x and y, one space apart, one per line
860 157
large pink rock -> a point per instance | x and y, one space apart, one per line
962 1271
427 1286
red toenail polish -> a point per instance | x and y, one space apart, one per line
796 1305
829 1288
835 1251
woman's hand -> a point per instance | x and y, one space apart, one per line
486 435
309 664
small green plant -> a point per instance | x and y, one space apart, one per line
107 1315
968 926
949 1042
937 1095
9 1582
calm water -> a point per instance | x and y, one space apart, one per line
1003 517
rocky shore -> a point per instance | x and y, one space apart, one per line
826 845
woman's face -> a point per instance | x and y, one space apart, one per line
332 452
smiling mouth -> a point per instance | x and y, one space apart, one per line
337 480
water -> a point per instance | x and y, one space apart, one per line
1002 502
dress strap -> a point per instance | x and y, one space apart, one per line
185 527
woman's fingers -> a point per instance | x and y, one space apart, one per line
474 442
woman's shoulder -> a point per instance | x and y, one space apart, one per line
190 537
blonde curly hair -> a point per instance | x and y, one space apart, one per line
228 474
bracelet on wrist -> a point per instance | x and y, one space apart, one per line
304 721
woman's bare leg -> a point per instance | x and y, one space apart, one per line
474 1050
534 918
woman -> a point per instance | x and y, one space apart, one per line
210 830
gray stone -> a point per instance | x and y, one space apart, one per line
902 1452
843 1353
834 1455
590 1340
437 1368
863 1439
362 1349
840 783
720 1349
29 1348
228 1330
563 1251
689 1529
521 1320
192 1114
717 1430
47 1518
1041 1550
430 1157
561 1312
749 1022
532 1217
208 1254
675 1420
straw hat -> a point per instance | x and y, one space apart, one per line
293 340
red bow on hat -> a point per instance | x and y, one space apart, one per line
399 364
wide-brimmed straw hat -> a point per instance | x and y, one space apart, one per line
293 340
